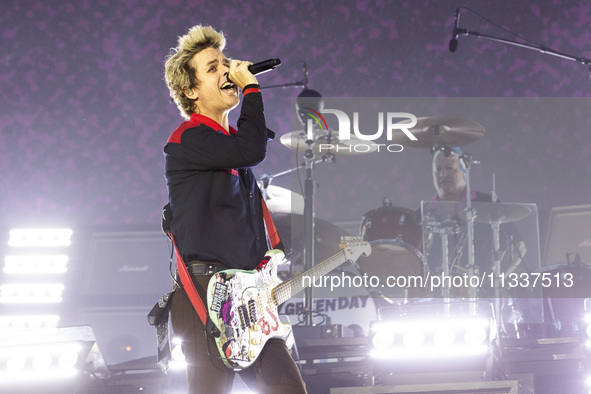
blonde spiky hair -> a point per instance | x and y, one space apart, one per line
179 73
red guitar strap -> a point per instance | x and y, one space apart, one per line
272 233
185 277
188 285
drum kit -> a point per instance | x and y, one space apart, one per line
395 233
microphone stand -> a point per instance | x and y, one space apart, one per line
310 162
302 84
309 222
540 49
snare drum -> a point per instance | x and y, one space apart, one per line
397 243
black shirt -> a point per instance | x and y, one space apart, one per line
213 194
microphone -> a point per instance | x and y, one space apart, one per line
453 43
262 67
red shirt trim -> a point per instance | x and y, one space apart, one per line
195 121
251 90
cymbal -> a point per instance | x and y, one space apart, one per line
282 200
440 131
296 140
491 212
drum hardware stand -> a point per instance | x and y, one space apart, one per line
466 161
495 225
442 229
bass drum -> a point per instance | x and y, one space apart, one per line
351 307
397 244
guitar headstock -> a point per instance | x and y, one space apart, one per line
354 247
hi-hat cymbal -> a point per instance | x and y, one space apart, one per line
296 140
441 131
492 212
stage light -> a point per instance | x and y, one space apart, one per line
28 293
28 321
475 336
35 264
434 338
383 339
50 237
38 355
413 339
178 357
16 363
68 359
444 337
39 362
587 321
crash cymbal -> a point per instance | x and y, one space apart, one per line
490 212
296 140
282 200
440 131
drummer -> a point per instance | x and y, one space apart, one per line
449 179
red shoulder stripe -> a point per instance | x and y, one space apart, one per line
175 137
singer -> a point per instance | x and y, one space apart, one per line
217 211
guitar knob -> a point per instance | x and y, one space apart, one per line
252 354
254 341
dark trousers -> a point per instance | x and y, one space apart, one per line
273 372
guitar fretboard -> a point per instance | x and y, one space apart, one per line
286 290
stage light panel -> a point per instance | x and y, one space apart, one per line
8 322
42 361
35 264
49 354
28 293
33 238
433 338
430 352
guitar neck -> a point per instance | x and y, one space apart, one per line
286 290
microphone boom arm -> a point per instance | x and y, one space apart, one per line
541 48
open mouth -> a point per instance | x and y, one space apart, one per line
228 86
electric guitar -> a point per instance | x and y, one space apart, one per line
243 304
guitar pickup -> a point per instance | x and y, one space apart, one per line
244 319
252 309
